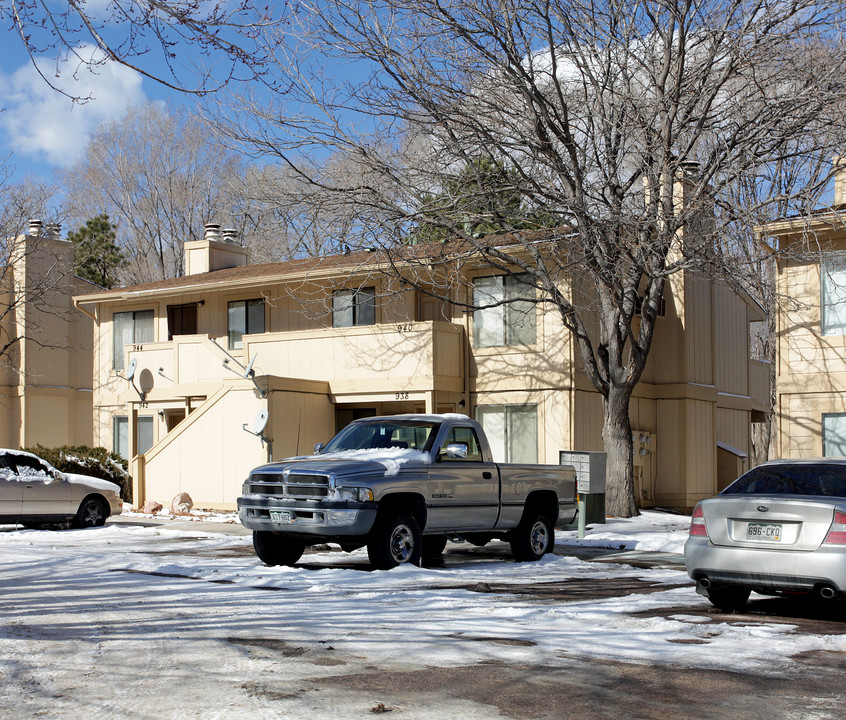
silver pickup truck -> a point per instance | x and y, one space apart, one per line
402 485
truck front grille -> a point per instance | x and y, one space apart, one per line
296 485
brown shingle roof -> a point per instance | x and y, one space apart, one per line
330 264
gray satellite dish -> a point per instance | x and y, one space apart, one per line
260 422
146 381
130 369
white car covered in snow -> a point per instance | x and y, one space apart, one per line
33 492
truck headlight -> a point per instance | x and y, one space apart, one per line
355 494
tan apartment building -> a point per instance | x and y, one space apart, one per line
46 392
200 378
811 331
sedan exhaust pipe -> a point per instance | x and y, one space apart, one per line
826 592
704 583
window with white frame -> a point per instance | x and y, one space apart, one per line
354 307
245 317
512 431
130 328
510 319
833 300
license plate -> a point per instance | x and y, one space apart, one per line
767 532
281 516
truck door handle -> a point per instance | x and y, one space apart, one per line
486 475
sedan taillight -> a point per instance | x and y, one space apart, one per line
837 531
697 522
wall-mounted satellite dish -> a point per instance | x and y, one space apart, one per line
249 369
145 381
131 368
260 422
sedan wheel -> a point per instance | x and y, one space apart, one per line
92 513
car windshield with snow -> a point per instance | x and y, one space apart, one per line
780 528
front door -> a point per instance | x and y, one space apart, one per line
181 320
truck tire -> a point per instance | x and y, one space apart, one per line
275 549
395 540
433 546
532 538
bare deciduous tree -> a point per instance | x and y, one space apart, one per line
600 113
194 47
160 176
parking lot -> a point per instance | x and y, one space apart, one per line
173 619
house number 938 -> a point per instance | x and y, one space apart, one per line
401 396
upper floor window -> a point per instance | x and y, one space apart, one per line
246 317
512 431
833 301
512 321
130 328
354 307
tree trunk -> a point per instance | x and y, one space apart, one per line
617 437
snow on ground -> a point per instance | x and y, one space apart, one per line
411 616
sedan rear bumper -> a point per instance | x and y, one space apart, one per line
766 568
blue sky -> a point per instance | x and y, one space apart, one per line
42 129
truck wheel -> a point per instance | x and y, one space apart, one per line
395 540
275 549
433 546
532 538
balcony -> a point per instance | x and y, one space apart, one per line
396 358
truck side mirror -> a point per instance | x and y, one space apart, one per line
456 450
318 447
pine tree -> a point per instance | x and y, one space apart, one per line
97 256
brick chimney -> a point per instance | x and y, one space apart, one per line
215 251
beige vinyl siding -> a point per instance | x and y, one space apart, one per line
731 343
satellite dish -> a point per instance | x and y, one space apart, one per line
146 381
130 369
250 366
260 422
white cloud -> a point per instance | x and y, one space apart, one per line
40 122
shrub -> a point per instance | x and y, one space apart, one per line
94 461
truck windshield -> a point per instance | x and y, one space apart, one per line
371 434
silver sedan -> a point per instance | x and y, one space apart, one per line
33 492
778 529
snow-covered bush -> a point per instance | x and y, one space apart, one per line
94 461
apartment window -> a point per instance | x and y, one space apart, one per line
130 328
120 435
354 307
246 317
834 434
181 320
512 431
833 301
510 323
